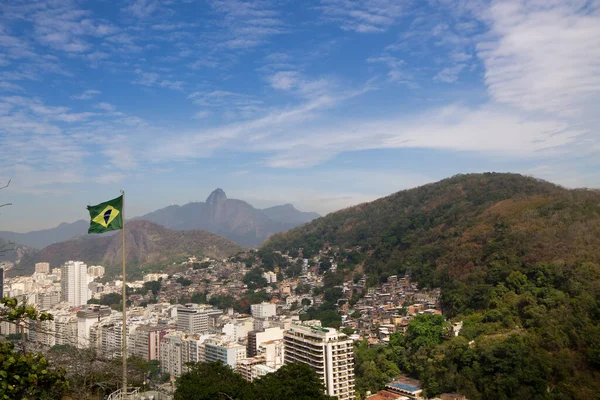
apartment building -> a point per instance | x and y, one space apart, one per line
96 271
46 300
74 283
85 319
65 328
263 310
256 338
328 352
145 341
193 318
227 353
42 268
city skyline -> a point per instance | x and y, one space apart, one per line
324 105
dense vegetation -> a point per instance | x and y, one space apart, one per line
518 260
208 381
26 375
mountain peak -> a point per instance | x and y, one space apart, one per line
217 196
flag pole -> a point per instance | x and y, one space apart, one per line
124 339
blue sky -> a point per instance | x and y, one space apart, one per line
321 103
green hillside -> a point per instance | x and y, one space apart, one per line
518 259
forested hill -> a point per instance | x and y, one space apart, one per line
518 260
454 227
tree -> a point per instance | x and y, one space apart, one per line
28 376
254 279
198 298
25 375
183 281
154 286
425 330
111 299
292 382
208 381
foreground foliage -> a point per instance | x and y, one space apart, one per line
217 381
25 375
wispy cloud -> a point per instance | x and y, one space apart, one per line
154 79
86 95
142 8
397 71
104 106
543 56
449 74
231 105
248 23
363 16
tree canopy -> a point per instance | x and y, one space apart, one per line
217 381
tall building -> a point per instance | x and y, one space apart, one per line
328 352
42 268
96 271
228 353
45 300
256 338
263 310
85 319
192 318
145 341
177 349
74 283
1 282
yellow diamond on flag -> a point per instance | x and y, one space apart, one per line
106 216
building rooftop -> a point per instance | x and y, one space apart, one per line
405 384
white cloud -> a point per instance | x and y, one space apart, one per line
110 178
104 106
363 16
146 78
449 74
284 80
224 98
543 55
248 23
86 95
175 85
396 68
154 79
142 8
202 114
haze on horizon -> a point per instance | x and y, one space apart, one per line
322 106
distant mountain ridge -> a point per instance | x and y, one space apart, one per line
230 218
287 213
44 237
146 244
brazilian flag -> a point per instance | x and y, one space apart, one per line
107 216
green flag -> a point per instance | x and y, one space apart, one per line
107 216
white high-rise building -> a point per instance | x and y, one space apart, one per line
226 352
263 310
328 352
193 318
74 283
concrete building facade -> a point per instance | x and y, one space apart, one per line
74 283
42 268
263 310
328 352
192 318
